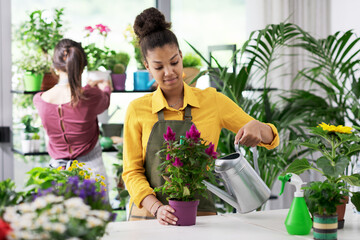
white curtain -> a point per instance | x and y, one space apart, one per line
313 17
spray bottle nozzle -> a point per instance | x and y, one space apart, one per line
283 180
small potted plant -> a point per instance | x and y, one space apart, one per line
42 31
192 65
33 65
186 163
336 144
97 55
117 63
30 138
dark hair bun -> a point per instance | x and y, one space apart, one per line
149 21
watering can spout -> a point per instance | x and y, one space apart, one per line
221 194
246 191
150 83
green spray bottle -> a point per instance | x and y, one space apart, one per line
298 221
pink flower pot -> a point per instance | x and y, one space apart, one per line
185 212
118 81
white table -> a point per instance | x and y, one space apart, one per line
267 225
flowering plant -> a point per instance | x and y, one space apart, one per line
4 229
54 217
97 56
186 163
336 144
130 36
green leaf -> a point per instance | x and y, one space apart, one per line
298 166
353 179
332 169
355 199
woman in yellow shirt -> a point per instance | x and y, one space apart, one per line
177 105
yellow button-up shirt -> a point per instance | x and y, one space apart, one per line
211 111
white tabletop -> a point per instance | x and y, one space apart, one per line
257 225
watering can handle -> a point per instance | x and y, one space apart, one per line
255 157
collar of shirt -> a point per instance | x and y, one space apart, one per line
159 101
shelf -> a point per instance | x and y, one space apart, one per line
114 91
29 154
113 149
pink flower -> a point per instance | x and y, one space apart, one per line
89 28
102 28
177 162
210 151
170 135
193 133
168 157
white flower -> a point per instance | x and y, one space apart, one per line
59 227
93 222
41 220
77 214
47 226
63 218
105 215
25 207
53 199
10 214
56 209
74 203
39 203
73 238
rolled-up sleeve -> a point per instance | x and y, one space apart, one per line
134 171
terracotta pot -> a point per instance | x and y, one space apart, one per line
189 74
325 227
49 80
340 210
185 212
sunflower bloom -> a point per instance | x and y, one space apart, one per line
75 162
332 128
102 177
81 173
59 168
87 177
70 168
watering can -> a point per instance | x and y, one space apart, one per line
141 81
246 191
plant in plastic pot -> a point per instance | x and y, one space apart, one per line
117 63
186 163
30 140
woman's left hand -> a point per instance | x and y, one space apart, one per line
253 133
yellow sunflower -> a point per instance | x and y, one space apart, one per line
81 173
87 177
60 168
332 128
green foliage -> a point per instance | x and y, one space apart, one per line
26 120
41 31
186 163
355 199
96 57
8 195
117 62
191 60
34 62
323 197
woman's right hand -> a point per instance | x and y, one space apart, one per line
165 215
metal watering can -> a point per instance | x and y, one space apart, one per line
246 191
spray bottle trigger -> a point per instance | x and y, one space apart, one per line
284 179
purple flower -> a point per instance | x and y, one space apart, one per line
210 151
177 162
193 133
170 135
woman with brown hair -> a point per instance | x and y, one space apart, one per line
69 111
177 105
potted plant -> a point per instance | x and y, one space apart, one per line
42 32
336 144
97 55
191 64
34 65
186 163
117 63
30 140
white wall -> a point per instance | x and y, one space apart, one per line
345 15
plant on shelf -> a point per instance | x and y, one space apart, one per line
41 31
130 36
30 140
336 144
191 64
117 63
186 163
